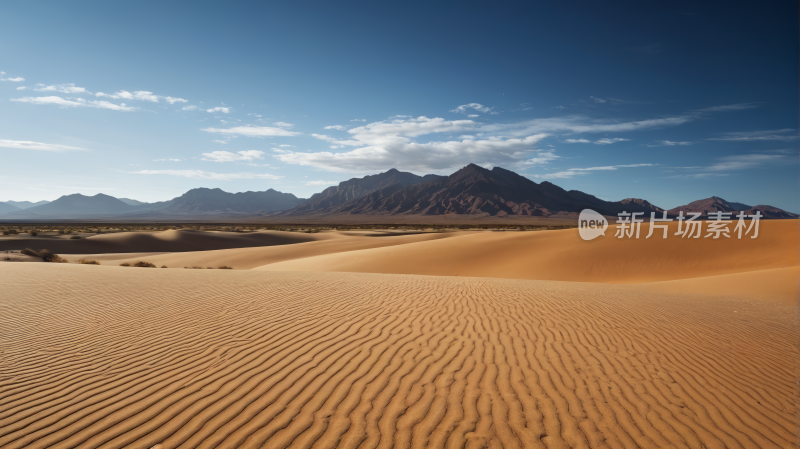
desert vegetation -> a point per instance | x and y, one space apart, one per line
44 254
88 262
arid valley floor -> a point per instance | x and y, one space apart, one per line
399 339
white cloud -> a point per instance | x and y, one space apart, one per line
18 79
584 171
227 156
668 143
173 100
473 115
75 102
28 145
387 144
191 107
125 95
283 124
577 141
597 100
581 124
606 141
359 120
252 131
21 88
200 174
559 107
2 73
286 146
167 160
476 106
749 136
68 88
336 127
219 109
321 183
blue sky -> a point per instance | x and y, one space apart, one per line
667 102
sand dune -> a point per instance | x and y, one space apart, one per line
97 357
562 255
164 241
247 258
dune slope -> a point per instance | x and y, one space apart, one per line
562 255
95 357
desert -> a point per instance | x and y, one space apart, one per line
403 339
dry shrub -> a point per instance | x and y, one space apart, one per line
75 237
163 266
88 262
194 268
225 267
47 256
144 264
33 233
125 264
31 252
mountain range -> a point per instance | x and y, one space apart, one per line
471 191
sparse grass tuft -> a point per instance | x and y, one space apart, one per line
194 268
125 264
225 267
163 266
75 237
47 256
88 262
33 233
144 264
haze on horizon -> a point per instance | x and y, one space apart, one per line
669 102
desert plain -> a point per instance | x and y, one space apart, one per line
364 339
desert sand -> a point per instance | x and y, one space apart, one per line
422 340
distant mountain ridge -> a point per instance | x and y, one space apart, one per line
26 204
717 204
471 191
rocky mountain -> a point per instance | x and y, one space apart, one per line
7 207
204 201
717 204
356 188
26 204
475 190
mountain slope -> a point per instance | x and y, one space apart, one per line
131 202
475 190
6 207
356 188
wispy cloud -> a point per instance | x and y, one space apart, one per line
252 131
572 172
283 125
142 95
476 106
358 120
750 136
321 183
219 109
577 141
668 143
167 160
39 146
190 107
336 127
227 156
68 88
606 141
729 107
733 163
200 174
18 79
75 102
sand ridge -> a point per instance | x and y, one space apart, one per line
190 358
